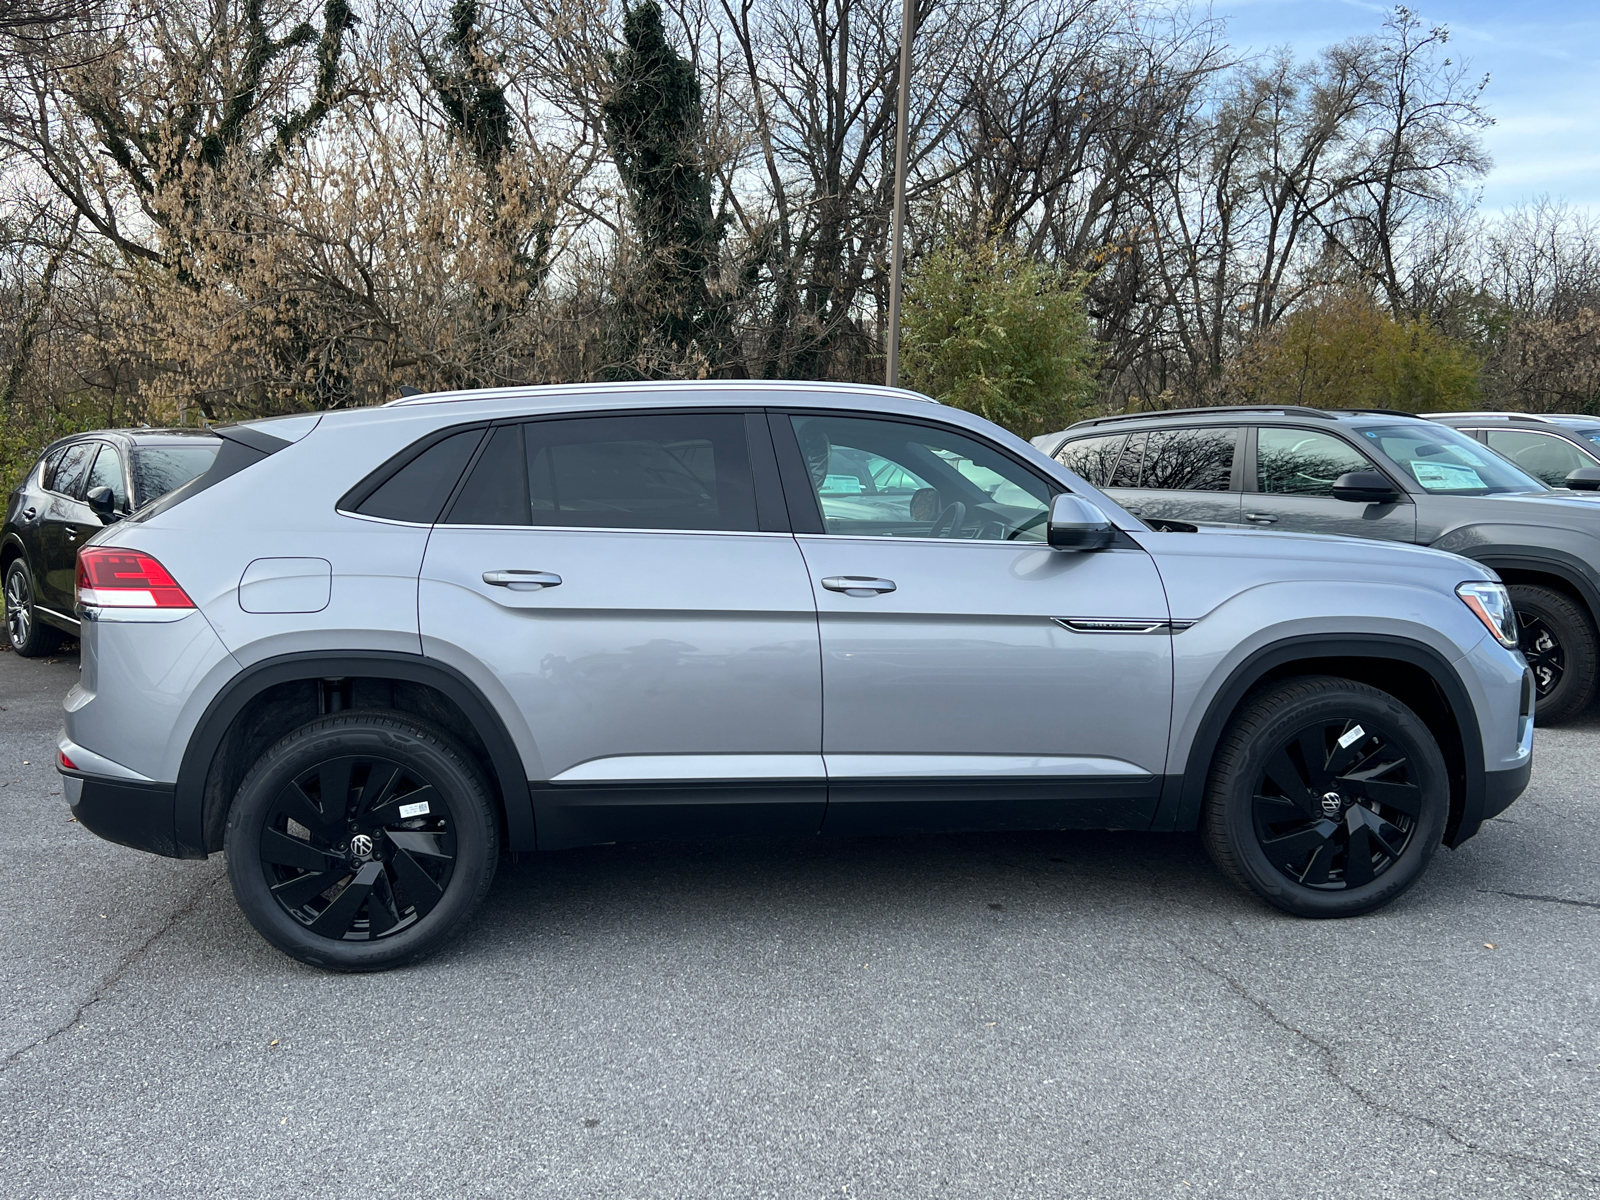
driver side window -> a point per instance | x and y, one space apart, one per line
1298 462
878 478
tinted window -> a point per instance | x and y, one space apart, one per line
1094 458
892 479
1190 460
418 490
70 471
1543 455
107 472
669 471
1298 462
496 493
48 470
159 469
1126 474
1444 460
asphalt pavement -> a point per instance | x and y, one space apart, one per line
1045 1015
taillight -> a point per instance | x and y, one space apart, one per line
112 578
64 762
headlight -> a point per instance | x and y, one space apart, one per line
1492 603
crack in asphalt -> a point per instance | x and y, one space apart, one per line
1330 1059
1544 899
105 986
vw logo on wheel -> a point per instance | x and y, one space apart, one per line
361 846
1332 804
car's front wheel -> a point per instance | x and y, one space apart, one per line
1327 797
1559 643
30 637
361 841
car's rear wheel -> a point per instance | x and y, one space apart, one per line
1558 640
30 637
1327 797
361 841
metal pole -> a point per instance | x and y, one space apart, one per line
908 18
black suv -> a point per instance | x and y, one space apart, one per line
1370 474
79 484
1550 448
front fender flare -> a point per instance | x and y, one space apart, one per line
1191 784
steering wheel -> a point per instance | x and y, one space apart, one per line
951 519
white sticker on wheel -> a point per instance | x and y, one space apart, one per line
420 808
1355 735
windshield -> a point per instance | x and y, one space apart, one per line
1445 461
156 471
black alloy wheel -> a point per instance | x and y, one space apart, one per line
358 847
1327 797
361 841
30 637
1334 806
1557 638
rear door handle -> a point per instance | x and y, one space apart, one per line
1261 518
858 585
29 514
522 581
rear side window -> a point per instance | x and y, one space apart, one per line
1189 460
645 471
418 490
70 470
1093 458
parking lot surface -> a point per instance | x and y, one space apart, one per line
1095 1015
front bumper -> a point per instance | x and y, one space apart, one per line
1502 787
140 815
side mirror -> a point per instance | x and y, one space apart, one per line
1364 487
1075 524
103 504
1584 479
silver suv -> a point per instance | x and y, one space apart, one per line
368 650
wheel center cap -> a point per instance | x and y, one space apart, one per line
1332 804
361 847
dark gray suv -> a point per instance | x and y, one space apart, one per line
1370 474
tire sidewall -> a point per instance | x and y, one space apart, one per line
1577 644
1238 789
432 755
41 638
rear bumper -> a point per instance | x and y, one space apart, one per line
131 814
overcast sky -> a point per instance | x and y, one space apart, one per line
1542 56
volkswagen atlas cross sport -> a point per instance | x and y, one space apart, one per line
1373 474
368 650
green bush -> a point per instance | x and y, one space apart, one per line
990 330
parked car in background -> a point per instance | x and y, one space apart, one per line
79 485
367 649
1378 475
1550 448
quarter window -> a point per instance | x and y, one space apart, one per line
876 478
1300 462
418 490
1093 458
70 471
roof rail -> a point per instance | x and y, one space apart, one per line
1506 416
1374 412
1284 409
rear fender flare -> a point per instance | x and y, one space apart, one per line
504 761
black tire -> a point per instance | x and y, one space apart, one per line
403 892
1558 640
1319 829
29 636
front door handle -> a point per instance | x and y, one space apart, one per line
858 585
1261 518
522 581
